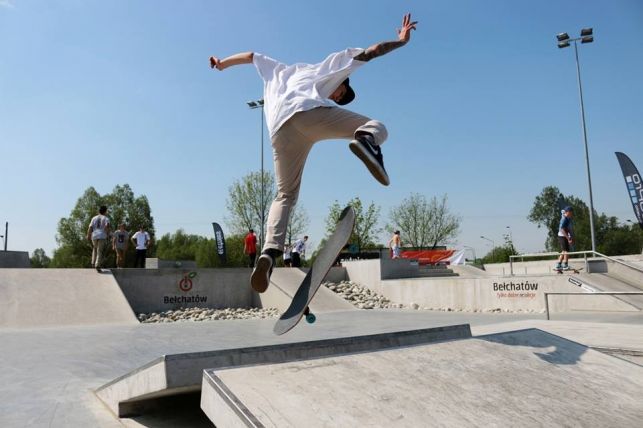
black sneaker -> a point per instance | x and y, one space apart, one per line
260 278
362 146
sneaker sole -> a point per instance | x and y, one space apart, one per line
259 278
371 163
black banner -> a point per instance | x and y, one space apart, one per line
634 185
220 242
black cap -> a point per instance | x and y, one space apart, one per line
349 95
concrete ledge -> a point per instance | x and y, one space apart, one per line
180 373
520 378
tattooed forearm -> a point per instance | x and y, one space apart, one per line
379 50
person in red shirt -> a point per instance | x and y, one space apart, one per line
250 247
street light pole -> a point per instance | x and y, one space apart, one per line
493 246
253 105
563 42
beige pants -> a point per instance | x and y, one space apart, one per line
98 252
290 148
120 257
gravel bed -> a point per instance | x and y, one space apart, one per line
205 314
364 298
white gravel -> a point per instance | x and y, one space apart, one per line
205 314
364 298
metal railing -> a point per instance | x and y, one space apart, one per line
596 293
584 253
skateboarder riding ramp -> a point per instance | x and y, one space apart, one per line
55 297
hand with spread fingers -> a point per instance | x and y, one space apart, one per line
404 33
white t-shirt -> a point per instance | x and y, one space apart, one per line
289 89
141 238
99 225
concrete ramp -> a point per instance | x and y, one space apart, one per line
57 297
135 392
287 280
521 378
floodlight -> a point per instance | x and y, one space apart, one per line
562 37
563 44
586 32
587 39
260 102
252 104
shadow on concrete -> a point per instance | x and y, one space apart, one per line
565 352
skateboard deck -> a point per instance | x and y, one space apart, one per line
570 270
311 283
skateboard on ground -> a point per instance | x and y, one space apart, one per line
570 270
311 283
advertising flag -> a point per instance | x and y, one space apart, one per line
220 242
634 185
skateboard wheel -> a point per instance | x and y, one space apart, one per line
310 318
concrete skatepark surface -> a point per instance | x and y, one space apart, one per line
53 367
522 378
50 375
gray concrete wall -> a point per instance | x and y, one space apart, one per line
157 290
512 294
14 259
485 292
398 268
156 263
624 273
57 297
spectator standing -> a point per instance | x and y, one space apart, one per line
287 257
250 247
120 242
142 241
98 233
298 252
395 244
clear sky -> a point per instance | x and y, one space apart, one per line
480 105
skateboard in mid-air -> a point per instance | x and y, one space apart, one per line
311 283
570 270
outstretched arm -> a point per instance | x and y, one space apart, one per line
240 58
379 49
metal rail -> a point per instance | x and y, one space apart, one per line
597 293
584 253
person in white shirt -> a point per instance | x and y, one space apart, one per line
98 233
142 241
298 251
299 105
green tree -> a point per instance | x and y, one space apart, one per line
178 246
39 259
611 238
74 250
297 224
182 246
499 254
424 223
245 205
546 214
366 219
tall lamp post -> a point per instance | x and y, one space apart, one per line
586 36
493 246
253 105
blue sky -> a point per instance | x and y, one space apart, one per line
480 105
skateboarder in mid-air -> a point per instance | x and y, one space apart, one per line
300 111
